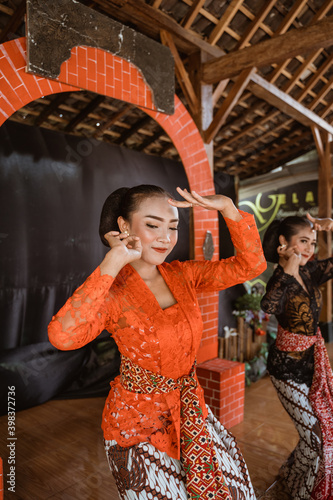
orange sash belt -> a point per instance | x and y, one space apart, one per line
204 478
321 399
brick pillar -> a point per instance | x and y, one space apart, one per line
223 382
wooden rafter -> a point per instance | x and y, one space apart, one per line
253 27
157 3
299 72
270 51
14 22
6 10
273 150
317 17
150 140
315 77
321 94
265 90
192 13
113 120
290 17
94 103
153 20
133 130
51 108
258 139
181 73
247 130
228 104
224 22
220 88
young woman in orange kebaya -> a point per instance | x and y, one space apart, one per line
162 441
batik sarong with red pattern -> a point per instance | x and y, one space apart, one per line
204 478
321 399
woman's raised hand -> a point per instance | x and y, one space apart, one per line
124 249
321 224
289 259
218 202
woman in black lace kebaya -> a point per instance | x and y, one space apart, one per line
298 363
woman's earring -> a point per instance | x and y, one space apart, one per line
126 232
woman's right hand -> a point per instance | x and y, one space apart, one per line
289 259
124 249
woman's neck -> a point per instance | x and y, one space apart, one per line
148 272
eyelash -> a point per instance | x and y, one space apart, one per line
305 241
155 227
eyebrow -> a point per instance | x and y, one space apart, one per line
307 238
161 218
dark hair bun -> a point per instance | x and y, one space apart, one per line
271 242
110 213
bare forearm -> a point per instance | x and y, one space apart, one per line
230 211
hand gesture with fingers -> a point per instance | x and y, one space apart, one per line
321 224
211 202
289 259
125 248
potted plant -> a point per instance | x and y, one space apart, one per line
251 325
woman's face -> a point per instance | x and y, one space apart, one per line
156 224
304 242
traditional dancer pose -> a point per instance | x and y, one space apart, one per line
298 363
162 441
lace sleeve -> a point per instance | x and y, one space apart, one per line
248 263
83 316
276 291
323 270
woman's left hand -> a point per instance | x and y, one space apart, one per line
218 202
321 224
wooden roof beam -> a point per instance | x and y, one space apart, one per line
290 17
14 22
253 27
228 104
224 21
53 106
247 130
288 45
279 69
140 12
109 123
181 73
134 129
286 104
315 77
192 13
94 103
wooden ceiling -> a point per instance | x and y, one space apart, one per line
256 75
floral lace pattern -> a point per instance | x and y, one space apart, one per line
297 310
162 341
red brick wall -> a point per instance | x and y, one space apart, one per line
223 383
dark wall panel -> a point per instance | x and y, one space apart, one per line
52 188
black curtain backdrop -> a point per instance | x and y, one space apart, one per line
52 188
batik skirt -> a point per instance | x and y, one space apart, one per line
299 472
142 472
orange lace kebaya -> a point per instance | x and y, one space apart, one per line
162 341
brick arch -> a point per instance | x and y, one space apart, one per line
101 72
